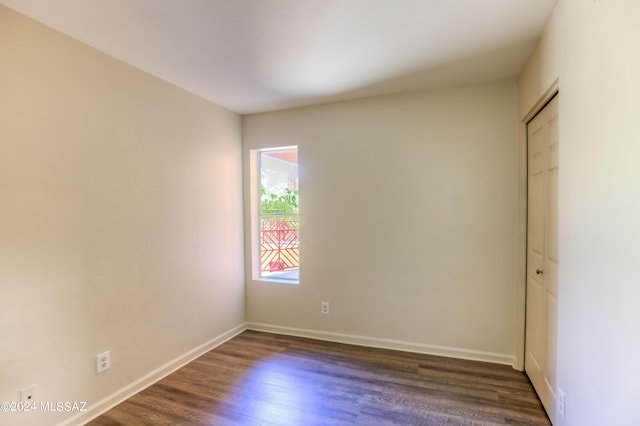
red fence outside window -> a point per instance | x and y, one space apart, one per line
279 243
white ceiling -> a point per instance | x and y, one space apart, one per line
258 55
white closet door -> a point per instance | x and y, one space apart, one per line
542 254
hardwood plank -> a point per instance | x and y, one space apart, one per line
267 379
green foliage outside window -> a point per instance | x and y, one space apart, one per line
282 203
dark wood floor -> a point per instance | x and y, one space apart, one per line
268 379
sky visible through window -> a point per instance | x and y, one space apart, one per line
279 222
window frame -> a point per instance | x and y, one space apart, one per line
257 214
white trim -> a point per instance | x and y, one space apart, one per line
255 213
277 148
552 90
277 280
399 345
110 401
521 271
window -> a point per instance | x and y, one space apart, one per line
278 214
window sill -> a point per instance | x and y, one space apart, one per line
277 280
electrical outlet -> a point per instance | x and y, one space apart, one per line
560 404
28 394
103 362
324 308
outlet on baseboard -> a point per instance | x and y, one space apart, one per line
324 308
103 362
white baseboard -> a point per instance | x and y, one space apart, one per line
105 404
375 342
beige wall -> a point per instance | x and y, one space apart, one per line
591 47
120 216
120 219
408 209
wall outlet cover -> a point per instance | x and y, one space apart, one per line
103 362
